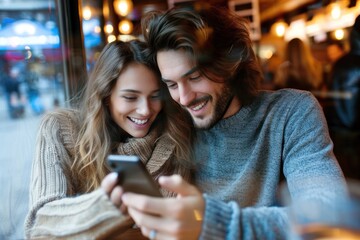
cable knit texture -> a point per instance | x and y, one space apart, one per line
241 160
57 209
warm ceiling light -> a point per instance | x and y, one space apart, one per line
279 28
335 11
111 38
339 34
123 7
125 26
86 13
126 38
109 28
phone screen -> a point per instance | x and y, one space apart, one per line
133 175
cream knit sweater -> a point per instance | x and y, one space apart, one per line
57 208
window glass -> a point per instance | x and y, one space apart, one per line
31 84
92 22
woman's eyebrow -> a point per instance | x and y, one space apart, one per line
129 90
136 91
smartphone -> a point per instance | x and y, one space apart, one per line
133 175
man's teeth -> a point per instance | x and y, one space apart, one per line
138 121
198 107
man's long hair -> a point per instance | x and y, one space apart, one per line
218 40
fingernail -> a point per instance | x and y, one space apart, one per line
163 179
113 176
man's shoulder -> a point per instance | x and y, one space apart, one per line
283 96
280 102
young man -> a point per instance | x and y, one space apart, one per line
247 140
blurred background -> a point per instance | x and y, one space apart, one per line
48 48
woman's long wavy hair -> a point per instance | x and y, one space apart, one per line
98 133
218 40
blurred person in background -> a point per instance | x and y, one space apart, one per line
32 90
299 70
345 119
334 50
14 97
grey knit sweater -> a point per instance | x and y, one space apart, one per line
57 207
241 160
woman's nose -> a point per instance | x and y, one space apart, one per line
143 108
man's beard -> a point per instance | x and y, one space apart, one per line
220 108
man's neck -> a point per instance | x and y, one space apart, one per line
233 108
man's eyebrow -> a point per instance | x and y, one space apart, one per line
194 69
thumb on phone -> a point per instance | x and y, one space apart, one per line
177 184
109 182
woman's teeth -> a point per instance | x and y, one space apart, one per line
138 121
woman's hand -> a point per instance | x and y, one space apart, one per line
114 191
168 218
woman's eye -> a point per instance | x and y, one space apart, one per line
129 98
157 96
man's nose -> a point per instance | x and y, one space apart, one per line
186 95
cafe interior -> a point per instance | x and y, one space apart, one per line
72 33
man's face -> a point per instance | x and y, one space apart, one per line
207 101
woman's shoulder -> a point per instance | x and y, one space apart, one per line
64 122
61 116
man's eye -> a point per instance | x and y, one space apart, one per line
172 85
194 77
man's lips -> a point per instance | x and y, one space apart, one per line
199 106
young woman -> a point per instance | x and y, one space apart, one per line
125 109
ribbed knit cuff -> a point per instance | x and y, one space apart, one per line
221 220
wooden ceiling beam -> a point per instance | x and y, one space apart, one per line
281 7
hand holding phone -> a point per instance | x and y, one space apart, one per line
133 175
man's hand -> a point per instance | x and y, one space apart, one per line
168 218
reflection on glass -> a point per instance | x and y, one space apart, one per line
30 60
91 24
31 83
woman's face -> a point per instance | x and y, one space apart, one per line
135 100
